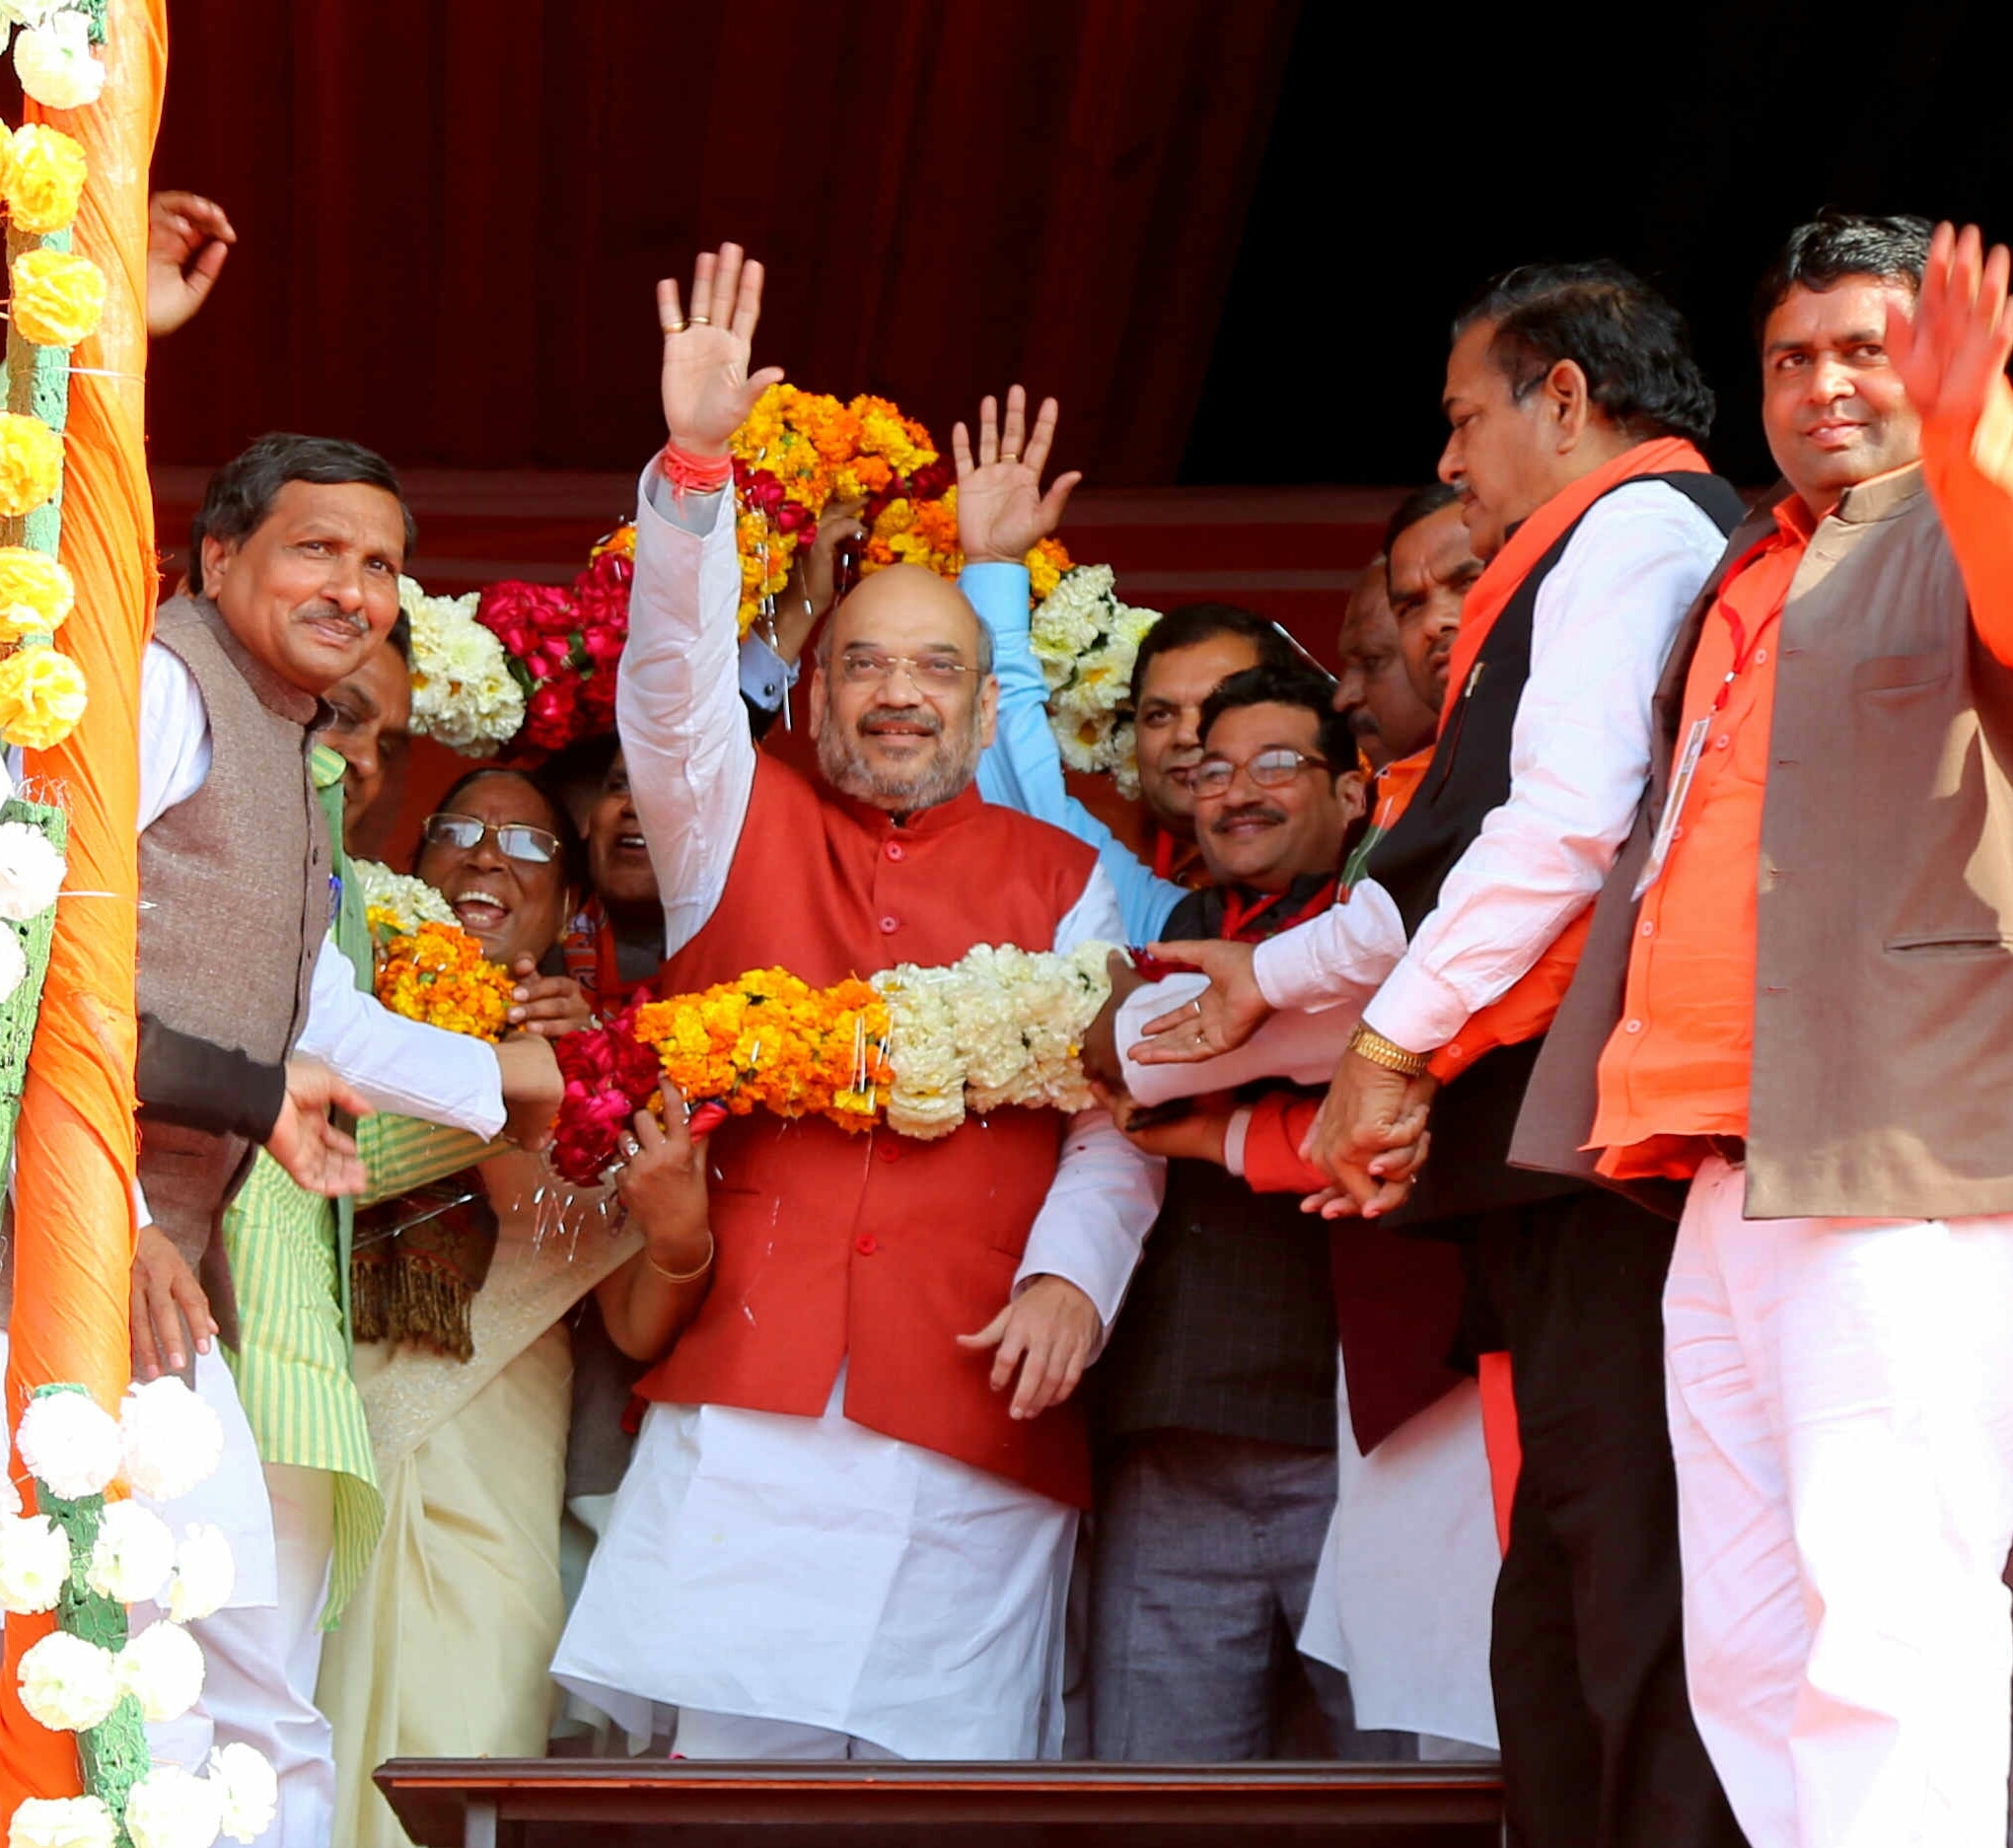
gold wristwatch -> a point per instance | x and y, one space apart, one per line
1366 1042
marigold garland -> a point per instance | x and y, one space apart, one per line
57 297
912 1048
439 975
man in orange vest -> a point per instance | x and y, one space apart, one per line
847 1528
1576 408
1795 998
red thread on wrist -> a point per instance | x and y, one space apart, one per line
694 474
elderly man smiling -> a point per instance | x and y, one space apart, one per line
847 1528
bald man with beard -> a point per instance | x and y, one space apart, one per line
849 1524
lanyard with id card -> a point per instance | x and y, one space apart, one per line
1674 804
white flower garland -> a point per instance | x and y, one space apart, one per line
462 691
52 54
999 1027
173 1441
412 901
1087 642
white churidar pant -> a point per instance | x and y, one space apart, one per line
1842 1415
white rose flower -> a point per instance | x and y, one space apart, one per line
1133 624
462 689
132 1556
67 1684
412 900
55 65
69 1444
163 1670
34 1564
172 1439
171 1808
27 13
204 1575
1125 771
62 1822
1084 740
30 872
249 1788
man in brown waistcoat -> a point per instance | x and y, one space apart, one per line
302 541
1796 997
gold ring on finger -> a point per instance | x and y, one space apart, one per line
702 321
1007 455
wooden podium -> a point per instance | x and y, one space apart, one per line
542 1803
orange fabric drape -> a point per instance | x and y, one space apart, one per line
74 1152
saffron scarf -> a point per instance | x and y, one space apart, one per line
1490 593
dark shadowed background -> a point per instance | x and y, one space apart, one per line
1229 237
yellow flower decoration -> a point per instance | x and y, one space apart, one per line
440 976
31 462
35 592
43 176
42 697
57 297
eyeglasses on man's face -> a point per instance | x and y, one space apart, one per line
1272 768
515 840
873 666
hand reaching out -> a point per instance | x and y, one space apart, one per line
1222 1018
314 1153
1952 353
546 1005
188 237
1047 1334
1002 513
708 388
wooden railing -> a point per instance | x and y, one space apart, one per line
537 1803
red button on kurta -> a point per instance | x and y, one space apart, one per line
889 925
895 850
888 1150
866 1244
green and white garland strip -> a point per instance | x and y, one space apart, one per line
1087 641
87 1561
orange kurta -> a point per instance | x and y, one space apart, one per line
1676 1069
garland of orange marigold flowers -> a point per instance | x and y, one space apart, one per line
439 975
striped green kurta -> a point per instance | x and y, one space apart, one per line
289 1255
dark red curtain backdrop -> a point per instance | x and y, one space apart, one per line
451 214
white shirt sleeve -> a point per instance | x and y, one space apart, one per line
175 734
677 700
1579 760
1339 958
1296 1045
402 1066
1105 1194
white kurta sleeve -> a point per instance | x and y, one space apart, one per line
1298 1047
402 1066
677 700
1105 1194
1579 759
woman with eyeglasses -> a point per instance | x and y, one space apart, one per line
465 1361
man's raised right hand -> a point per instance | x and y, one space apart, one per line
707 390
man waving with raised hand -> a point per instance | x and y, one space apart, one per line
847 1528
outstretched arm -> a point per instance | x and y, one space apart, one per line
1003 515
1952 358
677 700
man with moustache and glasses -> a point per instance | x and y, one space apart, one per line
847 1528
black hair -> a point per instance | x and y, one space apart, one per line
578 770
1419 504
1835 245
1193 623
400 638
1270 684
572 848
1632 345
240 496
